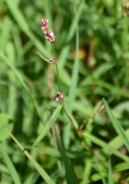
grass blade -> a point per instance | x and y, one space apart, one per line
48 125
64 53
18 16
73 86
10 166
121 167
100 170
5 121
3 58
24 26
117 142
41 171
43 57
119 129
70 174
105 146
110 179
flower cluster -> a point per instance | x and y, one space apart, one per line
49 35
58 96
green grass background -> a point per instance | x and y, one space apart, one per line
40 144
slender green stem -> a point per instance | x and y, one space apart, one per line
57 71
58 77
53 50
70 118
61 100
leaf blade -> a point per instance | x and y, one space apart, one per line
48 125
10 166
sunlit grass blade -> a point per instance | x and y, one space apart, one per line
16 12
21 21
117 142
64 53
110 174
74 80
54 152
110 87
71 117
117 125
5 32
96 74
5 59
48 125
87 171
17 74
40 170
105 146
100 170
10 166
121 167
73 25
70 174
5 122
43 57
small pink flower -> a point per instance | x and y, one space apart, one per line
49 35
52 60
45 22
58 96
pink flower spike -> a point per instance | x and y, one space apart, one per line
49 35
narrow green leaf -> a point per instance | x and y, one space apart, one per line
96 74
64 53
117 125
121 167
4 35
10 166
5 122
54 152
106 146
41 171
43 57
99 168
48 125
74 80
70 174
110 179
24 26
87 171
17 14
5 59
117 142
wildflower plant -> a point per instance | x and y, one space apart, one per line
49 35
82 108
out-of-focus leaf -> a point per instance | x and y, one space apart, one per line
5 122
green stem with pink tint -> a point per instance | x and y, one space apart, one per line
61 100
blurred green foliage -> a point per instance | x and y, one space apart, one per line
28 85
